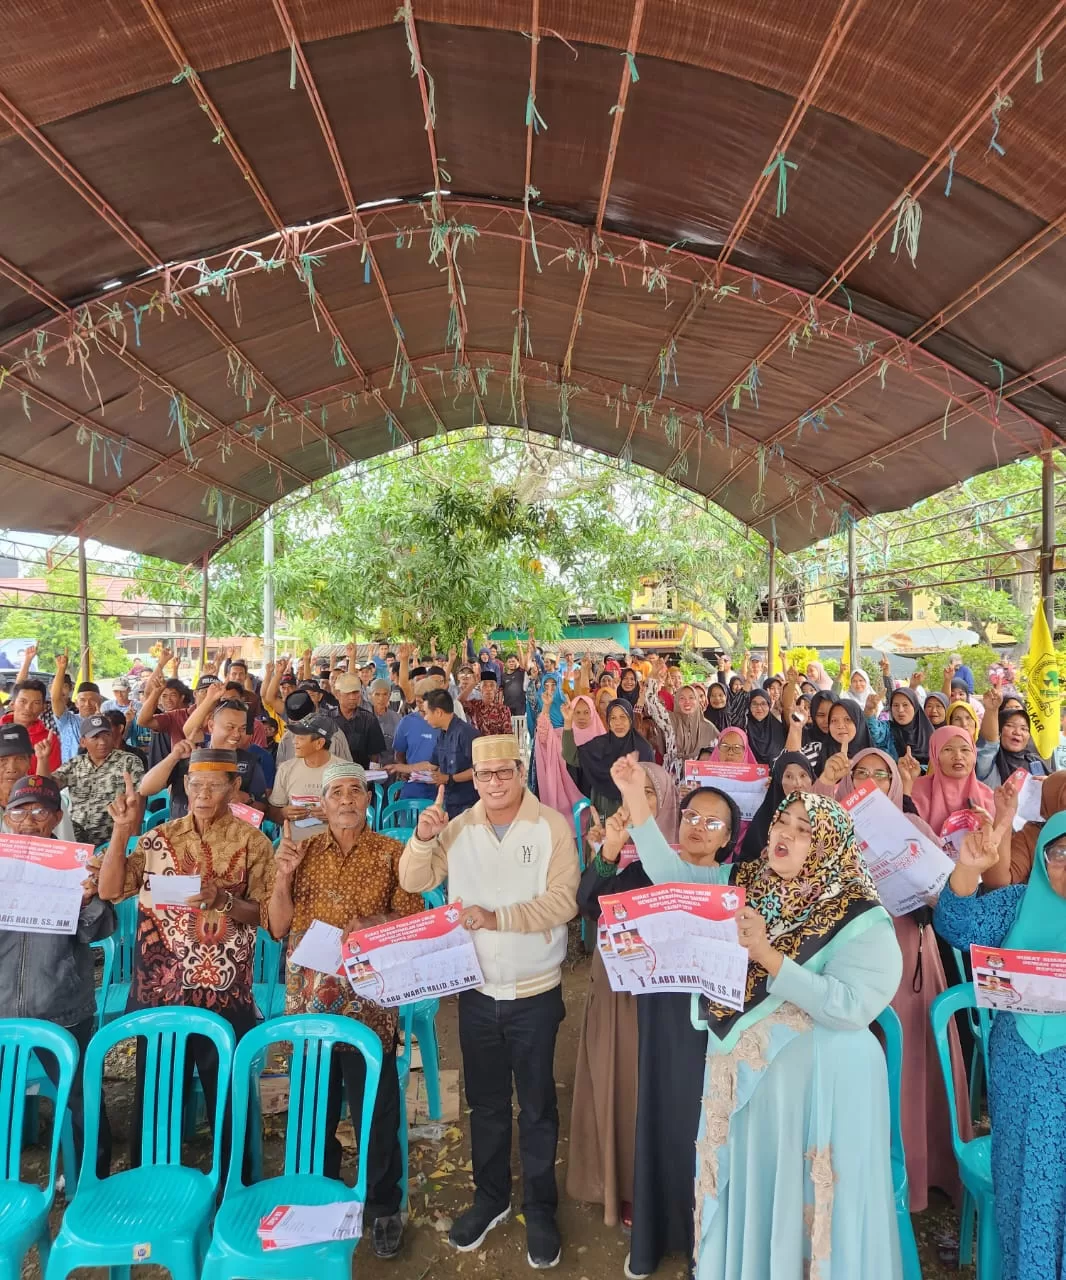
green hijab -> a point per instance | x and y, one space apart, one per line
1040 925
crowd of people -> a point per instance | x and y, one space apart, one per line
751 1143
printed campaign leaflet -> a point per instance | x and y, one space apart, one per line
1021 981
312 825
41 883
290 1225
675 937
247 814
172 891
957 826
745 783
907 866
420 956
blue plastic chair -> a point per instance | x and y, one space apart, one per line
24 1207
156 811
974 1158
579 836
892 1030
978 1030
124 938
392 793
107 948
268 989
402 813
235 1248
160 1212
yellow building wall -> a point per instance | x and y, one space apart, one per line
819 629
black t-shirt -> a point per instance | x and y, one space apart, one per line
514 691
253 783
366 742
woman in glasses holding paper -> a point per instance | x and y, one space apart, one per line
1026 1051
670 1052
792 1170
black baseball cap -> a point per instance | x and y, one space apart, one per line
34 790
318 726
15 741
93 726
205 682
87 686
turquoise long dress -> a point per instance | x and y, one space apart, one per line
793 1175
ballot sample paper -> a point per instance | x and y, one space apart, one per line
290 1225
172 891
744 783
1021 981
906 865
41 883
675 937
247 814
319 949
414 958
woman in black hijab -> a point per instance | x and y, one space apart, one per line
595 757
1016 750
792 772
909 726
717 705
629 686
766 734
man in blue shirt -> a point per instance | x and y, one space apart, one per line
452 758
414 744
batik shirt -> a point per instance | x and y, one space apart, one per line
336 887
92 787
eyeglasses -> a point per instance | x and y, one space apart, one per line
1055 852
693 819
202 787
878 775
730 749
499 775
27 811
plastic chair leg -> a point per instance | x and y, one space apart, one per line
989 1258
966 1224
425 1030
977 1073
908 1246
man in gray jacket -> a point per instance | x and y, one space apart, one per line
50 975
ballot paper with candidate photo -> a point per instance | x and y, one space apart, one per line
41 883
290 1225
675 937
744 783
1020 981
906 865
957 826
414 958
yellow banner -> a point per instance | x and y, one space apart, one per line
1042 694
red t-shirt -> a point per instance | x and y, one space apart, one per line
173 723
37 732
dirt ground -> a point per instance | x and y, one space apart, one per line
440 1188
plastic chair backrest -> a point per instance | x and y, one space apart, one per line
19 1039
267 963
579 808
945 1007
402 834
312 1037
392 793
125 936
435 897
403 813
166 1032
107 948
892 1030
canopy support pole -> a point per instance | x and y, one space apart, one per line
203 614
771 652
268 585
84 665
853 608
1047 540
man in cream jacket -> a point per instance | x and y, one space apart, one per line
512 863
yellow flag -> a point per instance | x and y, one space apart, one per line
1042 686
845 664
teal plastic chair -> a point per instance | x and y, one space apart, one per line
268 988
403 1070
24 1206
160 1212
392 793
424 1025
579 836
108 949
156 811
124 938
974 1158
892 1030
978 1030
235 1248
402 813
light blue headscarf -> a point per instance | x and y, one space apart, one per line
535 702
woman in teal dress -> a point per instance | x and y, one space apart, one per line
793 1175
1026 1052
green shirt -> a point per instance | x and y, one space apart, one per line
92 788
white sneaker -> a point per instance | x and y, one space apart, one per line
634 1275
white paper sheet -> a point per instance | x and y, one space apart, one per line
1029 802
417 957
290 1225
319 949
38 908
171 891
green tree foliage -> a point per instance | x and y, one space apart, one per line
51 621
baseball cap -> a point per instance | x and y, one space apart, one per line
317 726
120 683
310 686
287 678
367 662
347 684
93 726
380 686
87 686
636 653
205 682
34 790
15 741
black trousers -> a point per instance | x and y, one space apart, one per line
83 1033
347 1076
501 1041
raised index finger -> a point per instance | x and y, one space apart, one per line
440 796
128 782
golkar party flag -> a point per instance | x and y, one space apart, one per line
1042 692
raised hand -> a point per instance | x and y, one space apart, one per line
800 713
628 777
917 678
886 668
872 704
30 654
837 767
432 821
43 749
182 749
124 809
1006 798
289 854
568 715
616 835
980 849
62 662
992 700
909 771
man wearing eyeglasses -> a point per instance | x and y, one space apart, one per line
511 862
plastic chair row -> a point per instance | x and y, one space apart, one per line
164 1212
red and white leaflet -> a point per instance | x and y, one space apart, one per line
413 958
291 1225
675 937
907 866
1020 981
957 826
745 783
41 883
247 814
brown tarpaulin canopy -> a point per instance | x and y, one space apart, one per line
245 242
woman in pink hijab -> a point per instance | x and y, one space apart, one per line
555 787
732 748
950 784
923 1109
